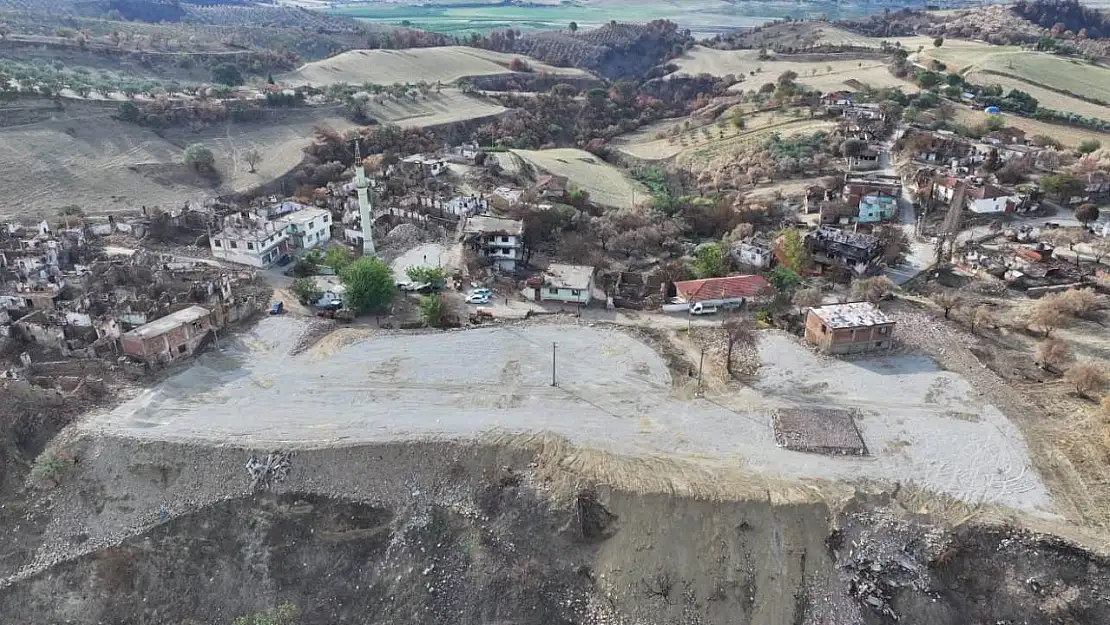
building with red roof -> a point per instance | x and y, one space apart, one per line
722 291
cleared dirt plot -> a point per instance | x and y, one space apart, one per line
606 184
385 67
826 73
1067 135
614 393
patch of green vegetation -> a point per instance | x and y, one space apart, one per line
49 468
800 146
284 614
50 79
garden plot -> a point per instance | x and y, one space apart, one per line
922 426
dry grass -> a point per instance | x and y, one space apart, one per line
606 184
107 166
1067 135
101 165
840 37
760 128
826 74
694 145
450 105
385 67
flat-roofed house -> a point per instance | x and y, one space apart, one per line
849 328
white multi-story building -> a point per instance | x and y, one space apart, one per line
254 243
307 228
500 240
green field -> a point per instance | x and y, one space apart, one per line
1037 68
703 17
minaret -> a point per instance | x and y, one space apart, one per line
365 211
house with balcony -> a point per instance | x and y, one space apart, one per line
498 239
307 228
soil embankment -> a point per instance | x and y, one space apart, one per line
508 532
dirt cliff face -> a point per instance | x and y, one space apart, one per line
486 543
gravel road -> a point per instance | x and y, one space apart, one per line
921 425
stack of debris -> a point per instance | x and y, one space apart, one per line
886 555
267 471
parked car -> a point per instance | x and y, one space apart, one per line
481 291
699 309
478 298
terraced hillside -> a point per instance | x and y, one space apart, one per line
445 65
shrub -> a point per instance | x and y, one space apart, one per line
1088 145
519 65
49 468
434 276
306 290
199 157
227 74
1053 354
1086 378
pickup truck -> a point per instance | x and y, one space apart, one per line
698 308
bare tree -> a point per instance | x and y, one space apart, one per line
1086 378
872 289
253 158
1053 354
982 315
947 301
1050 313
808 298
739 332
1078 302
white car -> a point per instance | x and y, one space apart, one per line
699 309
477 298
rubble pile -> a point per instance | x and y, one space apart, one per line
886 555
271 469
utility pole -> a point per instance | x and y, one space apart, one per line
701 361
552 363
